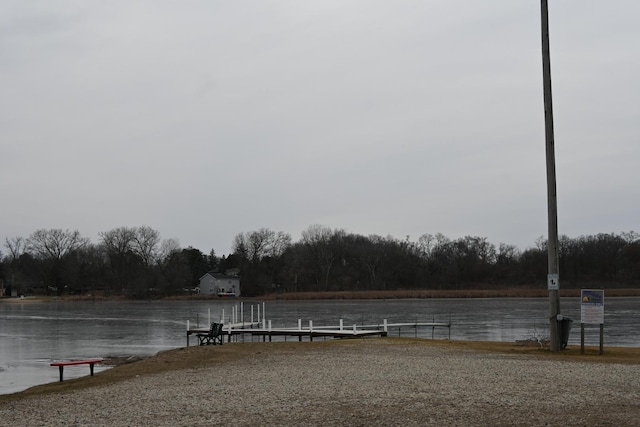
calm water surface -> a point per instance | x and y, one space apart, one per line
32 334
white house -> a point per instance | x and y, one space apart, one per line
221 285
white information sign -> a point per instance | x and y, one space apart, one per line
592 306
553 282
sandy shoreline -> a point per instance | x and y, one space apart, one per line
378 382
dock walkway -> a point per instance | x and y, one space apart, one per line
258 329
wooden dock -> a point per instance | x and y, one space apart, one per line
311 333
258 329
230 332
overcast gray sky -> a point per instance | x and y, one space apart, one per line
203 119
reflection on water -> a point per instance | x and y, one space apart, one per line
32 334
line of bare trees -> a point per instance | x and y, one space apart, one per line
326 259
136 261
132 261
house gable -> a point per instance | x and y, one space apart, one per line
221 285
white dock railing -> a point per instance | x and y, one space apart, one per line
237 326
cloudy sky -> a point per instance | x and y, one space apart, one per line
203 119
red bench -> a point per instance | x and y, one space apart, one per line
89 362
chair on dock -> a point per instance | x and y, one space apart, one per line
214 336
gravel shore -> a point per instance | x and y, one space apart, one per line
372 382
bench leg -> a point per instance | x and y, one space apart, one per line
61 368
91 368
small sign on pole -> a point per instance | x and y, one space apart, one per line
592 313
553 282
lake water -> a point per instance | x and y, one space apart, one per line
32 334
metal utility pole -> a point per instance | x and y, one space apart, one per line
552 202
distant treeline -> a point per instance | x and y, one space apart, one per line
136 262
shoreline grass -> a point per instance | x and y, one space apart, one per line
351 295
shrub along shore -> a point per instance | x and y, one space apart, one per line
432 293
354 295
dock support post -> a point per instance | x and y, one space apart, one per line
433 328
269 330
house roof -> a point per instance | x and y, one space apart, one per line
219 276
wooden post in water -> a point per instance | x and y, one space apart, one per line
553 284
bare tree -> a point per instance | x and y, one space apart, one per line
55 247
239 245
55 244
168 247
630 236
146 244
256 245
119 240
507 254
317 239
281 242
425 245
16 246
541 243
123 262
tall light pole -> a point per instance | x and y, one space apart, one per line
552 201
